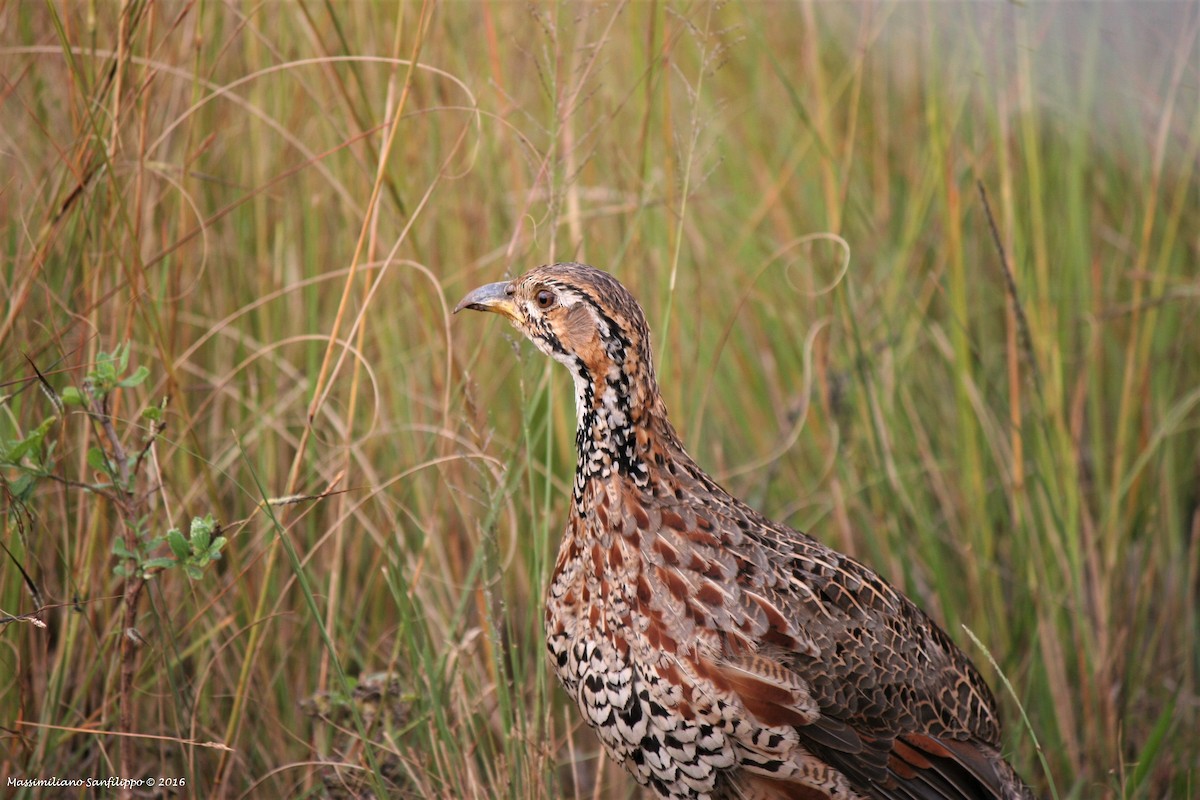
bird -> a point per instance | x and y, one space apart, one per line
717 654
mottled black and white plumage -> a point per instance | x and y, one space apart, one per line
719 654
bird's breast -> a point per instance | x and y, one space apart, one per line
631 678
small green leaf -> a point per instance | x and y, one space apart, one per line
157 564
122 356
179 545
140 374
38 435
98 461
15 451
105 374
201 532
193 572
152 413
214 550
30 445
120 550
72 396
20 486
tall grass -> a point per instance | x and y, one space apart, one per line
276 205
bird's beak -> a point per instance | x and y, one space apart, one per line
493 297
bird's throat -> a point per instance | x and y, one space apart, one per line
608 415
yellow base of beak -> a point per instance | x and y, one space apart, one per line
494 297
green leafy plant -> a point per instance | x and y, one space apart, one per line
191 553
199 549
107 374
116 466
28 458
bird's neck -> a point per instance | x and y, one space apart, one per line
621 423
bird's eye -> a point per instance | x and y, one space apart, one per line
544 299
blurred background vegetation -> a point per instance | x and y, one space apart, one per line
231 235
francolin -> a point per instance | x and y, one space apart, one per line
718 654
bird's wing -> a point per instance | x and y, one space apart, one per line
873 686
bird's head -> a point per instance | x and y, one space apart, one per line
580 316
583 318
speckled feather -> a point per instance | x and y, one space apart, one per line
719 654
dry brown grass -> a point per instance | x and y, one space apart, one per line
276 205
